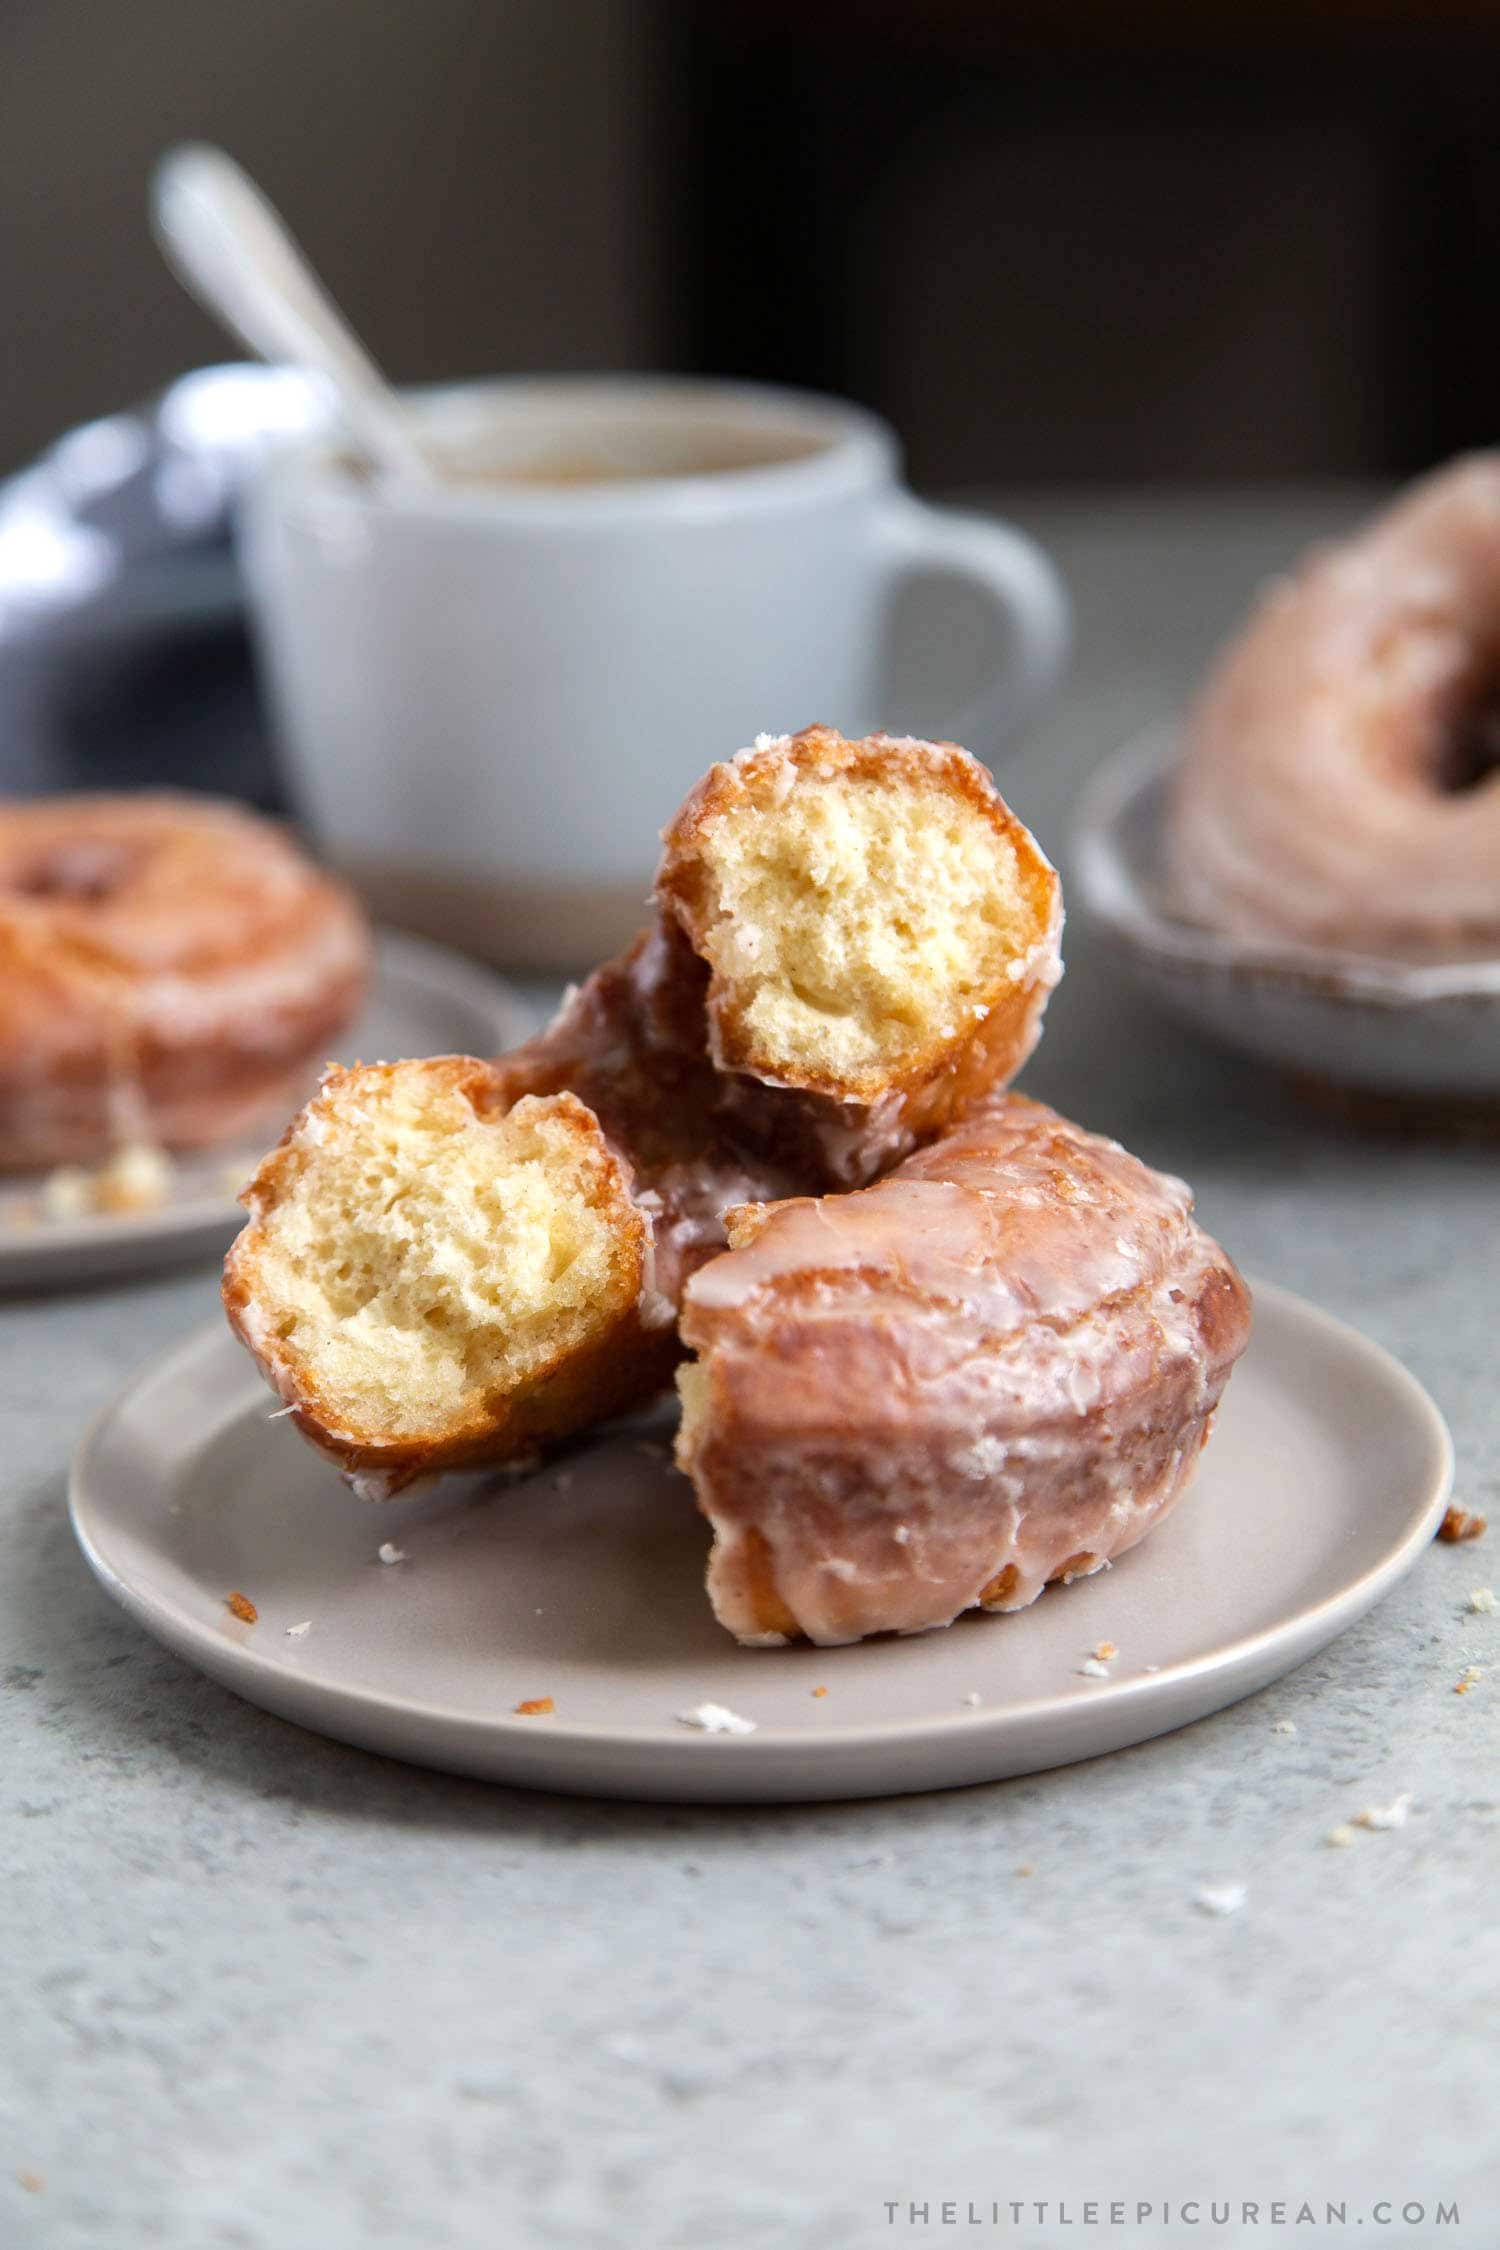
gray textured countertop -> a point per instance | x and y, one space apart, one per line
265 1992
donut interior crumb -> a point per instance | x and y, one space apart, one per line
859 924
425 1257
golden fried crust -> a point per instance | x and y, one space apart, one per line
992 1370
625 1359
846 1128
169 969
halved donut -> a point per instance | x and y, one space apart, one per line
880 933
435 1279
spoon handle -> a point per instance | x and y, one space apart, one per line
225 242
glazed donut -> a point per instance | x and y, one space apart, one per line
169 968
1340 786
994 1369
823 832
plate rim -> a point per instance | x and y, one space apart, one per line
1310 1626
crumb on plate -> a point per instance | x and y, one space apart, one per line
1482 1601
138 1177
66 1193
390 1552
241 1606
1458 1526
295 1632
1105 1651
820 1691
1284 1726
1092 1669
714 1718
536 1707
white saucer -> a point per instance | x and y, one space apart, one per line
424 1000
1324 1481
1393 1031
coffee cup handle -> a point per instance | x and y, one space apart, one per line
1024 589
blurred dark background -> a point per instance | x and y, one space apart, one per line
1242 239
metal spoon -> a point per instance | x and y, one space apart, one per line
223 240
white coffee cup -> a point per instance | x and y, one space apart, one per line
490 696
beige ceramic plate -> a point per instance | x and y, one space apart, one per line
1323 1482
424 1001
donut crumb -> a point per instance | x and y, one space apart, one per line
1459 1526
1381 1817
137 1177
241 1606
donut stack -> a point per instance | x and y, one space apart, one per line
937 1347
